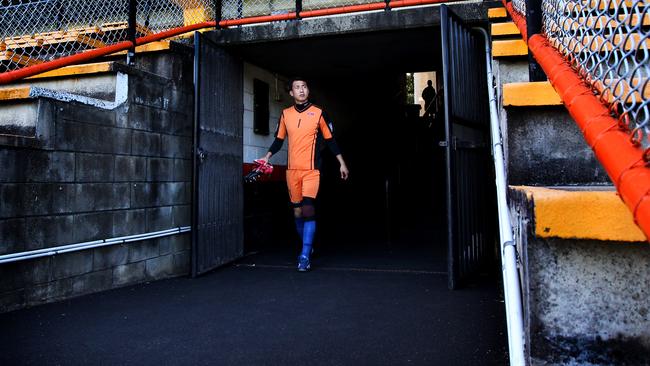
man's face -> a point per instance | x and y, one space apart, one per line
299 91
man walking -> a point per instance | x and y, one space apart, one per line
429 96
305 125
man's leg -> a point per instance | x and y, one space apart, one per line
294 184
309 217
310 184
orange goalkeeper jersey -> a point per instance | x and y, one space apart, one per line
304 126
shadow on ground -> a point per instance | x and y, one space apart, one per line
387 307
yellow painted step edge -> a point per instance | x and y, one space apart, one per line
540 93
14 93
149 47
497 13
509 48
599 215
504 29
75 70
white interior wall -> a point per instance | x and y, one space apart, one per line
256 146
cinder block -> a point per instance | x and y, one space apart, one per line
159 218
182 263
92 282
165 245
37 270
25 199
160 170
182 124
182 215
12 300
130 168
72 264
13 236
82 113
146 143
160 267
92 138
182 170
181 242
12 276
94 168
139 117
93 226
100 196
158 194
61 167
109 257
148 94
48 231
36 166
176 146
143 250
129 274
129 222
162 121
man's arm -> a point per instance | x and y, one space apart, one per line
324 125
280 134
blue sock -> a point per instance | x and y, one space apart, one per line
300 224
308 237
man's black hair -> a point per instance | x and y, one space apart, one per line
295 78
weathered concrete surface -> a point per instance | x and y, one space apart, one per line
19 118
92 173
545 147
100 86
586 301
396 19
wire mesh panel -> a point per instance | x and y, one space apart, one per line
162 15
37 31
236 9
608 43
33 32
519 6
324 4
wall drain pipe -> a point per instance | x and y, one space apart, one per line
46 252
511 284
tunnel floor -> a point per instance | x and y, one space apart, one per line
361 305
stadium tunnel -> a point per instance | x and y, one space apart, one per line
395 197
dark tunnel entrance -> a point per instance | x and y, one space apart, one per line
392 213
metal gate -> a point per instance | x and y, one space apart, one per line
217 220
469 178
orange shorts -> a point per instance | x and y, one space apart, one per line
302 183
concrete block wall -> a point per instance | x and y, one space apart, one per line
255 146
99 174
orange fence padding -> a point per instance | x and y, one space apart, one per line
622 160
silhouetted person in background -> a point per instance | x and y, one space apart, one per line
429 96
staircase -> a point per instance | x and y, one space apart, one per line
583 261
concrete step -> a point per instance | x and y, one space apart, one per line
506 29
530 94
509 48
580 212
584 274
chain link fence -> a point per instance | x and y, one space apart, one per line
608 43
37 31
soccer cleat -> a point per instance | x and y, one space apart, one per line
303 264
261 168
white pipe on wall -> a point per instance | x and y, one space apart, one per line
46 252
511 284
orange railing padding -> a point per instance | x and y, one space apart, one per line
622 160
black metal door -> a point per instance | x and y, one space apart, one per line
469 177
217 222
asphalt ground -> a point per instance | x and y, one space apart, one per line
370 305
